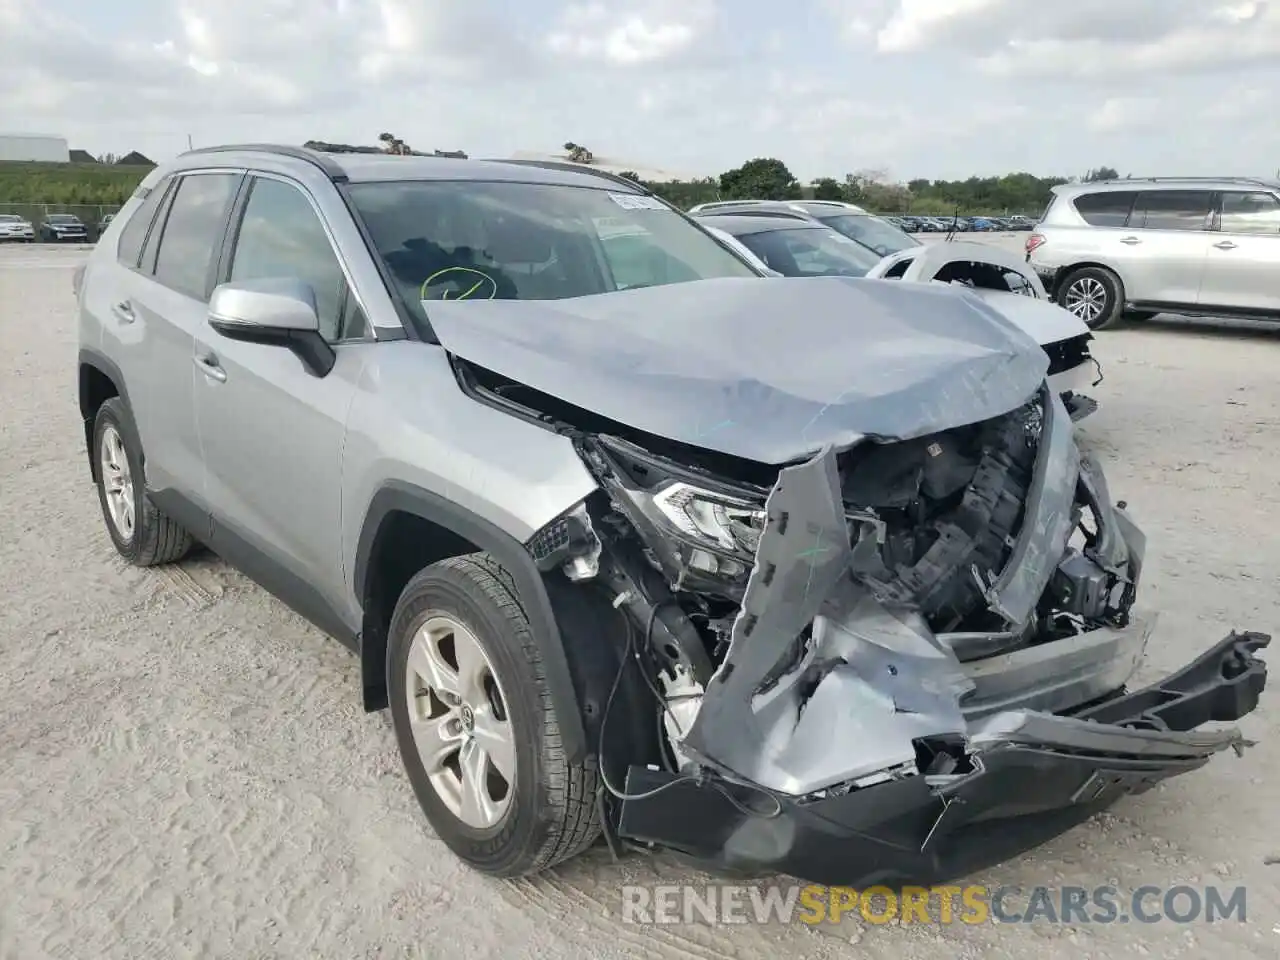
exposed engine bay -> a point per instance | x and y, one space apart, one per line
879 574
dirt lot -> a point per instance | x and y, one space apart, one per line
187 771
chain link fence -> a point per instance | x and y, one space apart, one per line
90 214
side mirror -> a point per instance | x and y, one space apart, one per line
275 312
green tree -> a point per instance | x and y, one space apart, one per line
826 188
763 178
578 153
1101 173
630 175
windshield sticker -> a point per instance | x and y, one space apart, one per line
459 283
634 201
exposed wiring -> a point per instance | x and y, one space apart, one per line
717 782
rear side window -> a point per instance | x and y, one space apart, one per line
1106 209
193 231
134 234
1250 213
1171 210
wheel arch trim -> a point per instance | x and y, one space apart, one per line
89 358
397 496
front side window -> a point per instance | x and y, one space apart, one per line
1171 210
193 231
1250 213
1107 208
808 252
871 232
280 236
522 241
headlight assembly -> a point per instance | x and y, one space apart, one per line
718 522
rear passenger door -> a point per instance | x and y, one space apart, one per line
1168 232
164 305
1242 271
272 431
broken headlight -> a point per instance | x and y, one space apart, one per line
718 533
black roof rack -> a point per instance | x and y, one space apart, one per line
330 167
577 168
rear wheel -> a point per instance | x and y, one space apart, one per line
1094 295
141 534
476 725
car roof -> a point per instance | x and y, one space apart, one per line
738 224
371 167
1165 183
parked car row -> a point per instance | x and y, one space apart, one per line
958 224
54 228
634 538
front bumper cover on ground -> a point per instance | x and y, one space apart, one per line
1035 775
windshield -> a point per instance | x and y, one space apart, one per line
9 218
872 233
63 218
522 241
809 252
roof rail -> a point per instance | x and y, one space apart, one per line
1256 181
331 168
577 168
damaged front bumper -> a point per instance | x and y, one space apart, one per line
1033 776
842 741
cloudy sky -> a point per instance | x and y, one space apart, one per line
920 88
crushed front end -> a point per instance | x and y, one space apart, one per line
895 663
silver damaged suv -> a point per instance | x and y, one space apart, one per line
794 575
1134 248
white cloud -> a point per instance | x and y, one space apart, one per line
931 89
627 33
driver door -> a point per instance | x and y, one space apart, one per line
271 431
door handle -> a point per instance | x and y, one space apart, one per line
209 367
123 311
1225 245
1131 241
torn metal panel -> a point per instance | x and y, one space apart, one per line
867 677
764 368
1047 522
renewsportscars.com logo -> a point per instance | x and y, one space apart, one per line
973 904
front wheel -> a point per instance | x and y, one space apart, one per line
1094 295
476 725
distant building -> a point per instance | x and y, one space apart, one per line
34 147
134 159
610 165
83 156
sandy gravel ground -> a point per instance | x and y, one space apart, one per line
185 770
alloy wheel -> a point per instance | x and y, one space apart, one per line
1087 299
117 482
459 721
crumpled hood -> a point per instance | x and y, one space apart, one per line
768 369
1044 320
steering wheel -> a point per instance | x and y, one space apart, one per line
459 283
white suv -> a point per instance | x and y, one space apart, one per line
1135 248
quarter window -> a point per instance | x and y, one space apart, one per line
193 231
1109 208
1171 210
134 234
281 237
1250 213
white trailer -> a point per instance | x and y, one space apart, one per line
49 149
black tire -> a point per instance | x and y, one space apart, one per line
1089 279
155 538
552 814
